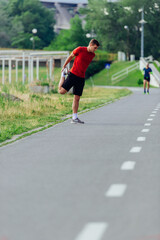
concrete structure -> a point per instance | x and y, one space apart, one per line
121 56
64 11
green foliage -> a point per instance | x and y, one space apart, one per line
8 27
70 39
108 19
26 15
140 81
94 68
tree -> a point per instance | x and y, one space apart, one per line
108 19
70 39
105 19
31 14
151 28
8 27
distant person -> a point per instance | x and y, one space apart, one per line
76 77
147 72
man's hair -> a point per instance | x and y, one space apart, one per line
94 42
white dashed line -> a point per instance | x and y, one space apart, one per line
150 119
145 130
154 112
93 231
147 124
141 139
152 115
116 190
135 149
128 165
156 109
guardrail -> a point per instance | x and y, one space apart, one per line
123 73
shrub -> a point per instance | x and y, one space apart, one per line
94 68
140 81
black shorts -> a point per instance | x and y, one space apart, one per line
76 82
147 79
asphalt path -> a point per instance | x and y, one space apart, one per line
97 181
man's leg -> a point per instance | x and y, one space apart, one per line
144 84
147 86
61 90
75 106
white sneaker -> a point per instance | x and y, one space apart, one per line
65 71
77 120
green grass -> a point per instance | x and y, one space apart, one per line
104 77
131 80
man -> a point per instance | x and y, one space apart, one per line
76 78
147 72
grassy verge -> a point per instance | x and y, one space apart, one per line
104 77
37 110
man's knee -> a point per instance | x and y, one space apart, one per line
76 98
62 90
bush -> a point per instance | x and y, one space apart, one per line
140 81
94 68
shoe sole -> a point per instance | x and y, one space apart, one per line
76 123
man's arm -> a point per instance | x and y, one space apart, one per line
71 56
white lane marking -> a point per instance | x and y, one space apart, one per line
116 190
141 139
135 149
147 124
156 109
152 115
150 119
154 112
145 130
128 165
93 231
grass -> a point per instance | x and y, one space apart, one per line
37 110
104 77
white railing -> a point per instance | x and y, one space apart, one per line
28 59
156 62
123 73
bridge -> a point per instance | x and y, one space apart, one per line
64 11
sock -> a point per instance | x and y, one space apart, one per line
62 74
74 116
144 90
147 90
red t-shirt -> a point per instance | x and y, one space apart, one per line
82 60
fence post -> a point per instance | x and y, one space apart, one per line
23 68
32 63
29 69
50 68
37 68
3 71
10 69
16 70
